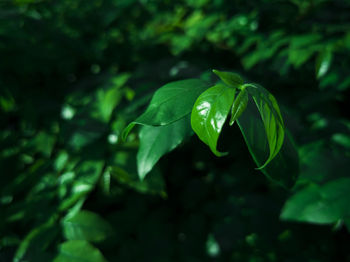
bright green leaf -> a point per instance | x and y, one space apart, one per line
78 251
271 117
79 183
239 105
155 141
170 103
210 112
323 62
229 78
86 225
319 204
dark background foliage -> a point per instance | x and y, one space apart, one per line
74 73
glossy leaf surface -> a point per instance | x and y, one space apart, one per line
239 105
271 117
229 78
78 251
155 141
210 112
284 168
170 103
86 225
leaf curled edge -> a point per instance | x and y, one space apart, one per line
271 117
239 105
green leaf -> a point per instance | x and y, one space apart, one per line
170 103
153 184
210 112
229 78
284 168
78 251
319 204
86 225
239 105
323 62
74 186
271 117
37 241
155 141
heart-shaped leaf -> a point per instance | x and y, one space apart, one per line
229 78
239 105
170 103
155 141
271 117
210 112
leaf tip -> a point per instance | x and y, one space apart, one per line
127 130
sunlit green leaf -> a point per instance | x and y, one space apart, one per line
170 103
271 117
239 105
86 225
229 78
155 141
323 62
319 204
210 112
78 251
79 183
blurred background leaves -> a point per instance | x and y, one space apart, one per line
74 73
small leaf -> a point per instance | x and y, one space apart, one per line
74 186
86 225
239 105
78 251
271 117
323 62
170 103
229 78
210 112
155 141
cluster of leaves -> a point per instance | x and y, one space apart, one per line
73 74
175 104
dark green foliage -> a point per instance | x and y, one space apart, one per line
73 74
